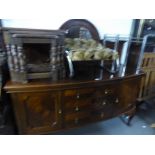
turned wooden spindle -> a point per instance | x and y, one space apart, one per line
10 58
53 53
15 57
61 55
62 52
21 58
58 52
53 64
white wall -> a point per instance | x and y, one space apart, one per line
104 26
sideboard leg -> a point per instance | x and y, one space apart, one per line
126 119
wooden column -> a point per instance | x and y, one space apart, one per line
53 60
10 58
21 59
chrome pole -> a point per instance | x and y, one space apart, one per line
146 37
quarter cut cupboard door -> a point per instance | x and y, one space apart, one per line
126 96
39 112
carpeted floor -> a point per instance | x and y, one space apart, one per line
147 112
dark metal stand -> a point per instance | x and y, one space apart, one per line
126 119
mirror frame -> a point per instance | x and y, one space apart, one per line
78 23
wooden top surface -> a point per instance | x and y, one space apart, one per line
41 85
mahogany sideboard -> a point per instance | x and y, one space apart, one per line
42 107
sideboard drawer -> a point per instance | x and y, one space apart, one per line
99 115
78 115
78 93
78 106
93 103
107 90
77 100
76 119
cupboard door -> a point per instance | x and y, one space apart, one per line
40 111
128 93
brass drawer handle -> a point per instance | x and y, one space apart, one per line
106 92
54 123
102 114
104 103
117 100
76 121
25 98
60 112
77 108
78 96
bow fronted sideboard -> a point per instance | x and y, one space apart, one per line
43 107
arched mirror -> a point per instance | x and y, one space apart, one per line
80 28
84 50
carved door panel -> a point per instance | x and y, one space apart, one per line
40 111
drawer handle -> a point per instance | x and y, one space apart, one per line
106 92
54 123
102 114
76 120
77 108
60 112
26 98
117 100
78 96
104 103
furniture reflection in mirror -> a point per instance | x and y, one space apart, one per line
80 28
